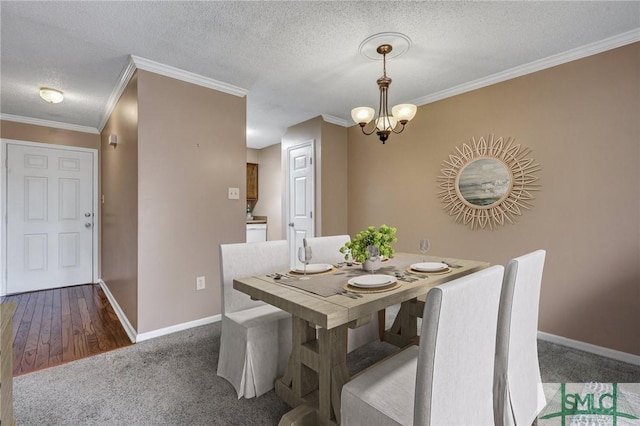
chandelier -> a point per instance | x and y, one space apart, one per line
385 123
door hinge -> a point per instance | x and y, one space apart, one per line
310 215
310 160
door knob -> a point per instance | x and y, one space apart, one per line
87 225
87 215
291 224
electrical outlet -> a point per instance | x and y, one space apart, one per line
200 283
234 193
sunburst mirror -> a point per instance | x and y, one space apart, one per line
487 182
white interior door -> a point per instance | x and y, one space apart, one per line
300 189
50 217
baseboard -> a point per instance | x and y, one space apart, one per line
128 328
588 347
178 327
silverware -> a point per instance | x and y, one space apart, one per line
451 265
346 294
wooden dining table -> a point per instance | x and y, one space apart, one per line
321 314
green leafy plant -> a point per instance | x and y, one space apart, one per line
382 238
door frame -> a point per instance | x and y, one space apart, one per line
4 193
287 198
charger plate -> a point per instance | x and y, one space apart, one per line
414 271
314 269
389 287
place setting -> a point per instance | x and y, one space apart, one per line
425 266
372 283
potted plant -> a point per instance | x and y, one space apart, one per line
382 238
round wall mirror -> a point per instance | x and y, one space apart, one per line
483 182
487 182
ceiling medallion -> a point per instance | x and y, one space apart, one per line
487 182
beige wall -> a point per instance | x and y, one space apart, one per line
191 148
581 121
42 134
119 212
332 163
252 155
270 190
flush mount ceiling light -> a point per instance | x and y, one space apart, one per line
385 123
52 96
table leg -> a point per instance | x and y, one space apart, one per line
382 318
333 373
404 330
298 380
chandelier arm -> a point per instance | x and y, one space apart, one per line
401 129
372 130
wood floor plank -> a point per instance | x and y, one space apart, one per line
79 341
31 347
42 354
67 327
55 348
20 341
94 305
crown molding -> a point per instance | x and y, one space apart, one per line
336 120
123 80
189 77
136 62
49 123
539 65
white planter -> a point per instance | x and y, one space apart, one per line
372 265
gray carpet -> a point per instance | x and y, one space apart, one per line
171 380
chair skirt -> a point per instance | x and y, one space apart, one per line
255 345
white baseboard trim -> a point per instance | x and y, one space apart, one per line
128 328
178 327
588 347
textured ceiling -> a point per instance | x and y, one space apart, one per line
297 60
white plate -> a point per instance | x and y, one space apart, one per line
372 281
429 266
315 268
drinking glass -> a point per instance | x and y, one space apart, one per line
373 253
304 256
424 246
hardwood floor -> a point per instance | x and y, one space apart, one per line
51 327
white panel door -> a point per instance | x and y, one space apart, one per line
50 218
300 197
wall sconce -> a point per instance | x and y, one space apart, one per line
113 140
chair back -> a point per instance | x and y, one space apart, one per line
327 249
454 378
518 393
246 259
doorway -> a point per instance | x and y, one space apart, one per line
300 197
50 206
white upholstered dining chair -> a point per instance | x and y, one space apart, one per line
517 390
448 378
255 342
327 250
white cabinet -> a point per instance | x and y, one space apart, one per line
256 232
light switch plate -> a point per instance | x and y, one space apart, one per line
234 193
200 284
